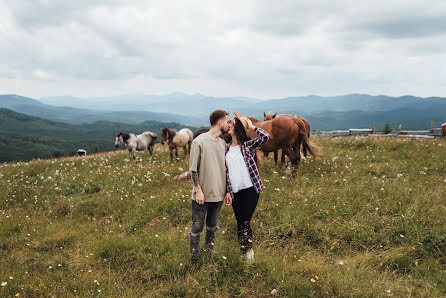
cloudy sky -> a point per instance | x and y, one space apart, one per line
264 49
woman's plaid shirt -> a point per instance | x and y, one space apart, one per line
248 152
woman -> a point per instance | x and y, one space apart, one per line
243 179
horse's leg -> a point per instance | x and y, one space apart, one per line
130 154
282 158
294 158
276 157
171 154
296 146
176 152
185 151
134 153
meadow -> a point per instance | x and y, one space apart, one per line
366 219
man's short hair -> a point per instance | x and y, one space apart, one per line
217 115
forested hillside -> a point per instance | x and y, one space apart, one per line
24 137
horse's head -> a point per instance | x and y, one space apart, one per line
119 139
164 135
269 116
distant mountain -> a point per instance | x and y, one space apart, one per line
352 102
73 115
24 137
175 103
408 118
200 106
325 113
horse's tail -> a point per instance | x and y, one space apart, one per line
304 134
152 134
307 127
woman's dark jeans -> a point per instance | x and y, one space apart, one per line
210 211
244 203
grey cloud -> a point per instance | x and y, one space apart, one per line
409 27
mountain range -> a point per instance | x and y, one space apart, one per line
323 113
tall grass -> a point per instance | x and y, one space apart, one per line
367 219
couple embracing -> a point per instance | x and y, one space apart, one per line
225 172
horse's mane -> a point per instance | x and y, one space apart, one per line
125 136
172 133
252 119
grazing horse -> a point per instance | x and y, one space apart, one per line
443 128
133 142
175 139
284 132
81 152
296 146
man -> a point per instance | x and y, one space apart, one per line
207 165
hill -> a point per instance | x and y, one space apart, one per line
367 219
24 137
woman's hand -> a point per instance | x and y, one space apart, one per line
250 126
228 199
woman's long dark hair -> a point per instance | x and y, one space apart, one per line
242 137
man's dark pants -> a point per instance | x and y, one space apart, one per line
210 212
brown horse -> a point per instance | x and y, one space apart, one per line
296 146
284 132
175 139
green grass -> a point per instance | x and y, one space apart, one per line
366 219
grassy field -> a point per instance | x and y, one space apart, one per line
366 219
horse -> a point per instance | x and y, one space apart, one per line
133 142
443 128
225 136
81 152
199 132
296 146
284 132
175 139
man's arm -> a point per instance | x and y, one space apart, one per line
199 196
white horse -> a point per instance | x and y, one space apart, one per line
133 142
81 152
175 139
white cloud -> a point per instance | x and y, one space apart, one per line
40 74
252 48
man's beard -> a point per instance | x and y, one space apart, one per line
223 131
